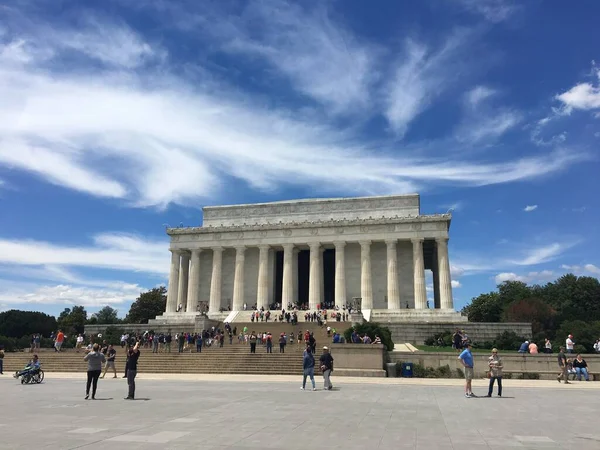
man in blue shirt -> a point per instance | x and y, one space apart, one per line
466 359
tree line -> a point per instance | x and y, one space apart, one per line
568 305
17 324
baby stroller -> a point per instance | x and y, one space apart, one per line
30 376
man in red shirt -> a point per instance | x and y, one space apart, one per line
58 342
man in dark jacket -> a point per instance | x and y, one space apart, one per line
326 362
308 365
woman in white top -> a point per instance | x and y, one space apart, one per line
548 346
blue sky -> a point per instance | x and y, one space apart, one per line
118 117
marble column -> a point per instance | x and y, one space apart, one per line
419 274
295 276
340 274
215 280
445 281
287 288
183 280
194 282
172 293
314 278
322 276
262 291
393 294
238 280
366 288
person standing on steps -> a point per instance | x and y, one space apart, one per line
269 340
495 364
132 360
95 359
466 358
308 365
253 338
326 361
562 365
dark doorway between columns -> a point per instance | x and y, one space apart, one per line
303 266
329 278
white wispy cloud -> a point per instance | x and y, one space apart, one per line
483 122
322 59
492 10
585 269
456 284
64 294
478 94
530 208
421 75
153 137
540 255
583 96
109 251
543 276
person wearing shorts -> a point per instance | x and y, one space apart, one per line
466 359
111 354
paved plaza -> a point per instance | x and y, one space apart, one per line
219 412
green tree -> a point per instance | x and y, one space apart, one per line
72 320
106 315
16 324
485 308
148 305
533 310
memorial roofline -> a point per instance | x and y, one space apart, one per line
447 217
316 200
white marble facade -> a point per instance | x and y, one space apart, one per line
383 245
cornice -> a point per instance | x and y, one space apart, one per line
310 224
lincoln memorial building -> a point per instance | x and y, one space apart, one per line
313 253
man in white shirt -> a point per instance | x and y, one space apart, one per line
570 343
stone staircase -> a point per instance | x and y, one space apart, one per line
231 359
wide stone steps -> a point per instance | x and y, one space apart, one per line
231 359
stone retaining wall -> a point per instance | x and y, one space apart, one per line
512 362
416 333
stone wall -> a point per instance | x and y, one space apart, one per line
358 360
416 333
511 362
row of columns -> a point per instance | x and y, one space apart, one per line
185 266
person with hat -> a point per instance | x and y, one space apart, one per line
326 362
495 364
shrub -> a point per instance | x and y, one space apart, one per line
509 340
420 371
443 339
371 329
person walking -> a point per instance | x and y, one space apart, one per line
308 365
1 360
495 364
466 359
132 360
111 354
562 364
326 362
95 359
58 342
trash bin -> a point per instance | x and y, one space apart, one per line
392 370
407 370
